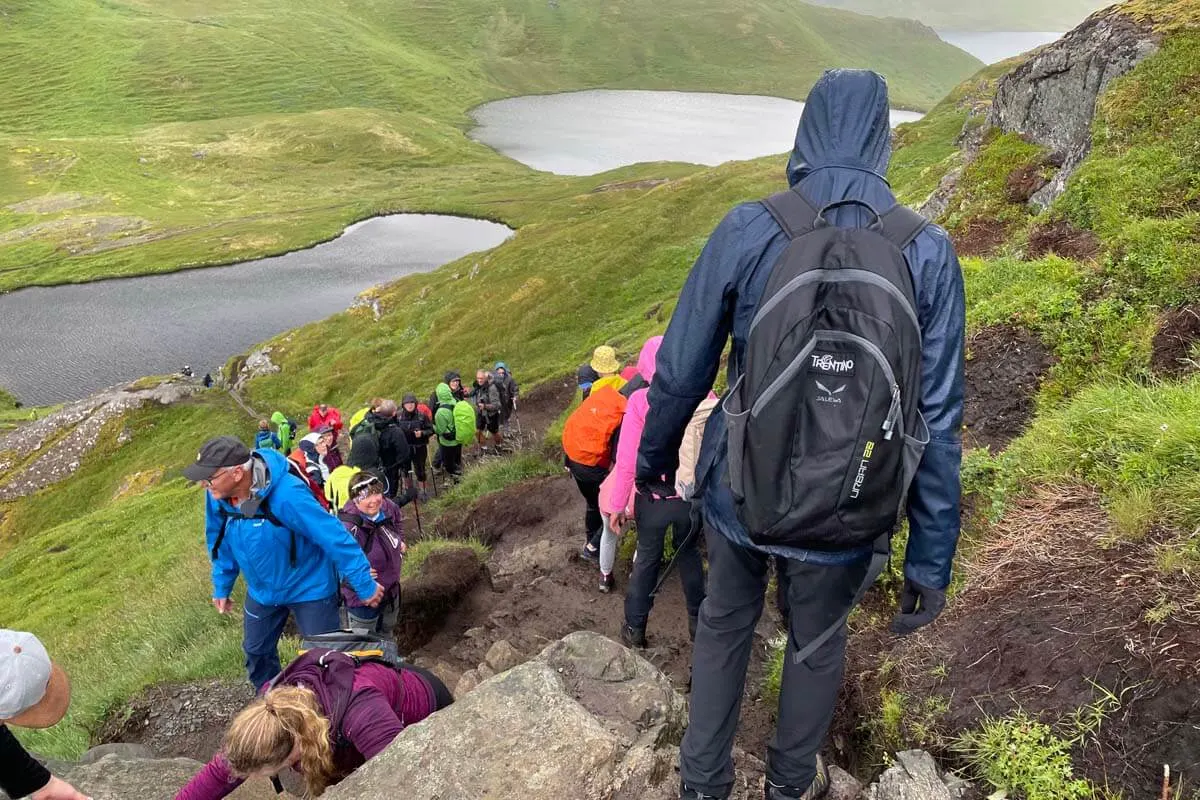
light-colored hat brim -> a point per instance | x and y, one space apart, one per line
53 706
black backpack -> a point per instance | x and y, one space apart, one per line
824 429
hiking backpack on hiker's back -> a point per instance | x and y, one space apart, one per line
464 422
824 431
588 436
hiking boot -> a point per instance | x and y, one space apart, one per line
588 554
687 793
816 789
633 637
607 582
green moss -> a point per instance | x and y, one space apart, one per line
982 195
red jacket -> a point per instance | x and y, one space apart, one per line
332 417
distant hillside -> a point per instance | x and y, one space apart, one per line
975 15
170 132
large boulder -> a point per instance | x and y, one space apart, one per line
586 718
115 777
1050 99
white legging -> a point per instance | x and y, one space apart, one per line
608 547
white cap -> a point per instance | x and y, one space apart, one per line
24 672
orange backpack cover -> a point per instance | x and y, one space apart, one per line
587 436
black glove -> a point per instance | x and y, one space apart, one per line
407 496
919 606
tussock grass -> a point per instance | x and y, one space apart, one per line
419 552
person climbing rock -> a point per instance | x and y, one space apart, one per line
377 524
506 384
326 715
813 454
34 693
265 438
417 423
285 429
262 522
324 415
655 515
485 397
379 444
447 433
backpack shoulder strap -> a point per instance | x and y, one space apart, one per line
901 225
221 535
792 211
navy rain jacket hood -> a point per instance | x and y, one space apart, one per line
842 150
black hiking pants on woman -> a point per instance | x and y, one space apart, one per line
452 460
588 479
654 518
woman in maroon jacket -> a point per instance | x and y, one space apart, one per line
324 716
377 524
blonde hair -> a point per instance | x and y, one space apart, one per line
264 733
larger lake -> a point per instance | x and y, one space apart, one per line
64 342
991 47
584 133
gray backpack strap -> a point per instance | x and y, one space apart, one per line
901 225
879 558
793 213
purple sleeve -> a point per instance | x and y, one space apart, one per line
211 783
370 723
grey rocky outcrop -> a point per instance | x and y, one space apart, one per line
1051 98
914 775
257 363
587 718
69 434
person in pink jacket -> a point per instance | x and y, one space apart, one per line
654 517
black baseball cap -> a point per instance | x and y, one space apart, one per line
216 454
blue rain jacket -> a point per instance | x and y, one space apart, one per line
842 150
260 550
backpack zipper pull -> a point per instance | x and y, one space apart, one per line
893 413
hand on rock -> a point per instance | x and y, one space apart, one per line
919 606
58 789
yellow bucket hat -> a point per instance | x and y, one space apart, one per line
604 360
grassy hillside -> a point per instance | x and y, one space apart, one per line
603 266
174 133
1007 15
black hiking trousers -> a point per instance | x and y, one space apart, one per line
654 518
452 459
817 597
588 479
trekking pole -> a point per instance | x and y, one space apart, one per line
696 526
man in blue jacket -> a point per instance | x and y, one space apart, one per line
842 152
262 522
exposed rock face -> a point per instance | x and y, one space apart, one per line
257 363
1051 98
586 718
82 422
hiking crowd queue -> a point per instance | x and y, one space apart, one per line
845 316
846 319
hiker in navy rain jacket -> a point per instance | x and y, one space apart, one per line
290 568
841 152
